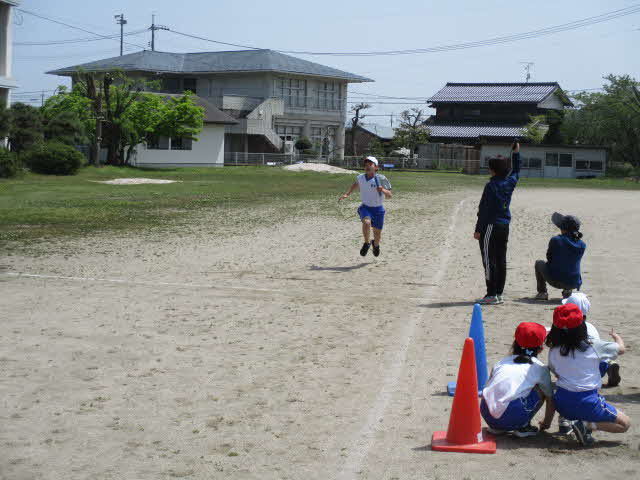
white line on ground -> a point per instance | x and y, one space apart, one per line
132 282
365 438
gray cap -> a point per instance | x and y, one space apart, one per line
566 222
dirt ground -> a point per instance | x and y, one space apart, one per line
282 354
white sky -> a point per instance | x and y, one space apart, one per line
576 59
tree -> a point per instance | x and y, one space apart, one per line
355 120
5 120
412 131
536 129
25 130
610 118
554 135
302 144
376 148
65 127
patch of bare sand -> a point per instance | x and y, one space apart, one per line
262 354
135 181
317 167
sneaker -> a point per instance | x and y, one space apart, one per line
496 431
376 249
566 293
542 296
528 431
490 300
613 373
564 426
583 435
365 248
500 298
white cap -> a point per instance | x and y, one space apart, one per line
373 160
580 299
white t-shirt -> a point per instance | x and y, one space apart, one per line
369 193
510 381
580 372
592 331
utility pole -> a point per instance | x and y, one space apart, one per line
153 29
120 19
527 69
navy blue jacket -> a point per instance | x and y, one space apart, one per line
496 198
563 257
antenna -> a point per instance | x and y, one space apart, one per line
527 69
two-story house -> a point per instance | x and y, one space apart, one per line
490 112
6 39
274 98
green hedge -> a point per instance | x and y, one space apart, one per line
55 159
9 164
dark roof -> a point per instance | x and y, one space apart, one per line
212 114
495 92
475 130
212 62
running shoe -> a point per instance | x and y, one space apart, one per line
365 248
496 431
376 249
613 373
490 300
566 293
582 434
542 296
564 426
527 431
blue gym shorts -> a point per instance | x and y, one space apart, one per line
376 214
588 406
517 415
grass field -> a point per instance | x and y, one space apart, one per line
39 207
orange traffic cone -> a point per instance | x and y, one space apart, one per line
465 433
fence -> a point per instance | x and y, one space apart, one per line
398 163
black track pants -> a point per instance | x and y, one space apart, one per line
493 247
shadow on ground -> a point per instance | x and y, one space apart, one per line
347 268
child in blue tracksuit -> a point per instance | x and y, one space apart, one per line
492 227
374 188
565 252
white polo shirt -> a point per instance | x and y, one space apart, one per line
580 372
369 189
510 381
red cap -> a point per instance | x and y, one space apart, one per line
567 316
530 334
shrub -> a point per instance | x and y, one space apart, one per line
55 159
9 164
303 143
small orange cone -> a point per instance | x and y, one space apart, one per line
465 433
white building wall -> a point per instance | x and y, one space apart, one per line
6 50
207 151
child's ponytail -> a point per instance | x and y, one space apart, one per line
524 355
575 235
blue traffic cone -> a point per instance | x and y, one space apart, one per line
476 331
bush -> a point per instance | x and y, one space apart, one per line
55 159
9 164
303 143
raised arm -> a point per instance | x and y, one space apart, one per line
515 160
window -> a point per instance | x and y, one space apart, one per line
181 143
329 96
596 165
289 133
471 114
551 160
566 160
322 139
190 84
535 163
582 165
293 90
157 143
171 85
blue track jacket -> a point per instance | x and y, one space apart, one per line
496 198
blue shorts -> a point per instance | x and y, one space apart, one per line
376 214
517 415
588 406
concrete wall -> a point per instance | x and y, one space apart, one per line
579 154
207 151
6 51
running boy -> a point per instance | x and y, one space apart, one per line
492 228
518 386
575 359
374 188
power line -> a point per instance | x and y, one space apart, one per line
79 40
604 17
106 37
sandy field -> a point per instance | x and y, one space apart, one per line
264 353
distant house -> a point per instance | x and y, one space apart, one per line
275 98
7 82
208 150
365 135
489 116
473 113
